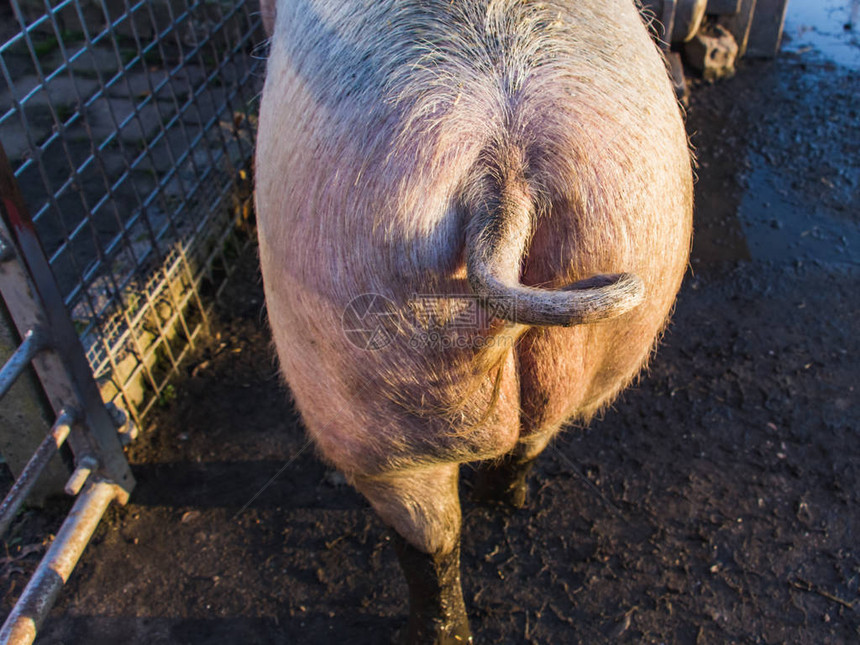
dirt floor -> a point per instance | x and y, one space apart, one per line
717 502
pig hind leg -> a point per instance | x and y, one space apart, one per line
423 507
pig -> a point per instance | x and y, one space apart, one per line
521 166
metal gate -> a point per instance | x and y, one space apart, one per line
128 131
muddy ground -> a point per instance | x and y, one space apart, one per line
716 502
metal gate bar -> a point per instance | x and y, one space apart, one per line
27 479
54 569
32 344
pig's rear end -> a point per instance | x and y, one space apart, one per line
529 157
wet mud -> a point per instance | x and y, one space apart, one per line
716 502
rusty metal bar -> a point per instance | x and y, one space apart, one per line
53 571
33 343
27 479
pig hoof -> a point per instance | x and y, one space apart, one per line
433 633
513 496
437 613
503 482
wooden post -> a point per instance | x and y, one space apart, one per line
765 33
739 24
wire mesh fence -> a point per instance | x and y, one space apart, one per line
130 127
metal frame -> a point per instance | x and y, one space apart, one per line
51 345
138 178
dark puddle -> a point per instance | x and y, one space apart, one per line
778 226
